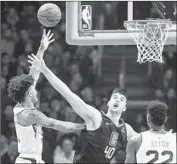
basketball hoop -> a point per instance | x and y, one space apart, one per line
150 37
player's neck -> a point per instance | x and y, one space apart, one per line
115 117
157 128
27 104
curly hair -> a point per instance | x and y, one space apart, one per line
158 112
18 86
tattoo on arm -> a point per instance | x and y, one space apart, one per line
30 117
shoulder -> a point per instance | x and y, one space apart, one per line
17 109
23 116
27 111
95 112
128 126
130 131
137 138
135 142
95 120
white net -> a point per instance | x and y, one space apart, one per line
150 37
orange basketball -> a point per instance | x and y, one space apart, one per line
49 15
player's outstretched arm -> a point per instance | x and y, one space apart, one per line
88 113
45 41
32 116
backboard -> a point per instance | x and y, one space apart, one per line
101 23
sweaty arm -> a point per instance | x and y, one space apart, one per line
33 71
88 113
130 132
45 41
132 149
29 117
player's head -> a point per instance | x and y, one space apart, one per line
118 101
66 143
21 88
156 113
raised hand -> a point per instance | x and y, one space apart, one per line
46 39
37 63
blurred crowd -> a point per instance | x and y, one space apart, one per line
76 66
163 82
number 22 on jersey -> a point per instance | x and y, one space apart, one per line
168 154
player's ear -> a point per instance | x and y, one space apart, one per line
166 118
29 93
148 119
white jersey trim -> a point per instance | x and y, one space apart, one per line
18 109
36 156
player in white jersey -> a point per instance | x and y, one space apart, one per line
155 145
28 120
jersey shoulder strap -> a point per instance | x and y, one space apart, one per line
17 109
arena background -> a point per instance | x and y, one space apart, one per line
91 72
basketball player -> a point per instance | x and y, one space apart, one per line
28 120
155 145
86 15
106 133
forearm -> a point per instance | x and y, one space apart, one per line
33 71
31 117
64 126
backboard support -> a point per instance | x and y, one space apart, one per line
77 36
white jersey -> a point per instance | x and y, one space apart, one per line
30 138
157 148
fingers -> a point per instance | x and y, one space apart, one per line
31 62
48 34
51 40
32 57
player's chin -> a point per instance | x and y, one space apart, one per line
35 101
116 109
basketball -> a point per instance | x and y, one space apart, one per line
49 15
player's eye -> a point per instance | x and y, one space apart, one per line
122 99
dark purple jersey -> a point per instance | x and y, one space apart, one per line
101 145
